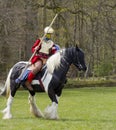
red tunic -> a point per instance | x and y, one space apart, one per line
39 55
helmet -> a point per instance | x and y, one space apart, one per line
48 30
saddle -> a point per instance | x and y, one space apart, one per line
19 69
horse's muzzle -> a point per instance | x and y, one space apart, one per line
83 68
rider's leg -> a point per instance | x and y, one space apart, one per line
35 68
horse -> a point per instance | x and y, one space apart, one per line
53 77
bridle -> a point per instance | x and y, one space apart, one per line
76 58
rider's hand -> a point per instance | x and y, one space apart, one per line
37 48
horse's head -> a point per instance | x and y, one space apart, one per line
79 60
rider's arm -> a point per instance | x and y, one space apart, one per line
36 46
55 48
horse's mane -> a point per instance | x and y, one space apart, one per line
53 62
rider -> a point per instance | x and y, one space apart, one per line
44 50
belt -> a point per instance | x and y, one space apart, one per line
42 54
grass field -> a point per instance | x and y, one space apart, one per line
79 109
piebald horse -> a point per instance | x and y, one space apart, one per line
53 77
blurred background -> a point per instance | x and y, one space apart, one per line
91 24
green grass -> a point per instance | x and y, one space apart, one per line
79 109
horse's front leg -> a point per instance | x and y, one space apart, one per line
33 107
51 112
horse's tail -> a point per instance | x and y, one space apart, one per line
6 90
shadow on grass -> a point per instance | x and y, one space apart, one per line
85 120
64 119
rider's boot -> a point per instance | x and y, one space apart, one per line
30 77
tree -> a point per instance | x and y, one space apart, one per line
89 23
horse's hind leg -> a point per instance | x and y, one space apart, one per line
33 107
7 111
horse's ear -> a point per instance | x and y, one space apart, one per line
77 48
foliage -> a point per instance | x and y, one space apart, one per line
91 24
103 69
82 109
92 82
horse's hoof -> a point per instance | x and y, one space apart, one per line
5 117
50 115
51 118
